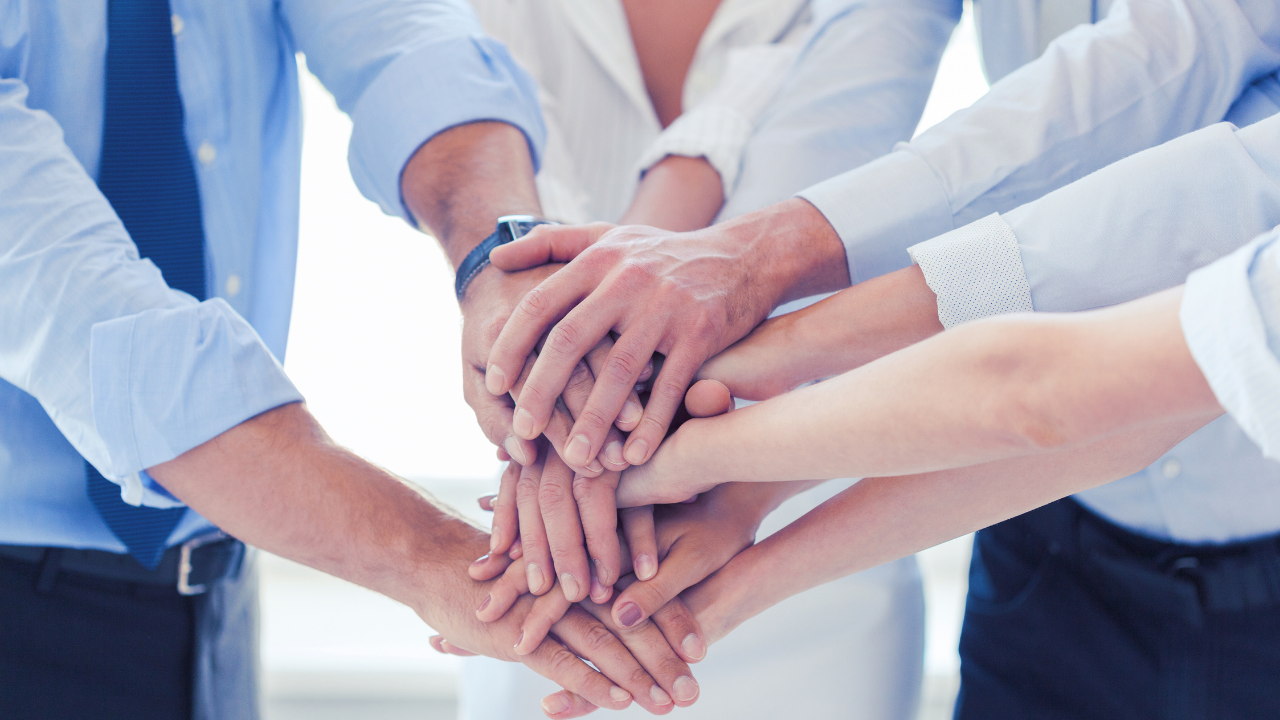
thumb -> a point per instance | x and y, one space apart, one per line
547 244
707 398
682 568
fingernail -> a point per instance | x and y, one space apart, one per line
629 614
494 537
602 573
520 639
569 584
631 413
599 593
659 696
522 423
479 561
693 646
613 453
646 568
489 598
515 450
595 466
578 451
533 574
495 380
555 704
638 452
619 695
685 688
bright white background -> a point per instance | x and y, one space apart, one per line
374 347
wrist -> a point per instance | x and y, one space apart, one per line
793 252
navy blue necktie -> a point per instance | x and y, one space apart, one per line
146 173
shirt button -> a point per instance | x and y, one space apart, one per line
206 153
177 23
233 285
1171 468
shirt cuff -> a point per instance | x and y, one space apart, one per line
165 381
882 208
715 132
1227 337
429 90
976 271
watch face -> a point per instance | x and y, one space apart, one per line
514 227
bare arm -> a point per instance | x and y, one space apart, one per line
678 194
998 388
882 519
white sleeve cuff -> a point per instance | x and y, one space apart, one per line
1227 335
976 271
715 132
881 208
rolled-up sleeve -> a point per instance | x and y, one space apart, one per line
1230 317
406 70
132 372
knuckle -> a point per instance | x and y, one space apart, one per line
563 338
563 664
580 380
552 494
582 489
597 639
534 304
593 420
622 366
669 390
527 486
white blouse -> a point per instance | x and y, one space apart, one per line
602 128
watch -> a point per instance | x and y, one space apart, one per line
510 227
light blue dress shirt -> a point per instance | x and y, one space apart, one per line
1133 228
1148 72
98 357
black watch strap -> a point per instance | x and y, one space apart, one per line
510 227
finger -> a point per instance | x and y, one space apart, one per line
571 402
647 644
681 629
708 398
591 638
533 535
646 373
567 343
628 416
503 593
665 398
599 517
565 704
547 244
637 528
517 550
564 531
532 317
494 413
546 611
684 566
556 663
486 502
613 399
557 428
452 649
488 566
504 527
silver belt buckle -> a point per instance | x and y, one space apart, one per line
184 561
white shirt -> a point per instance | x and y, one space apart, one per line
600 121
1135 227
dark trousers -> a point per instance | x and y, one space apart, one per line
1070 616
93 648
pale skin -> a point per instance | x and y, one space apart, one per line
278 482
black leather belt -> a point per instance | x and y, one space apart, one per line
189 568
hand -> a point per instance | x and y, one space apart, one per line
624 659
686 296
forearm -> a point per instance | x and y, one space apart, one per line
882 519
279 483
461 181
998 388
679 194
